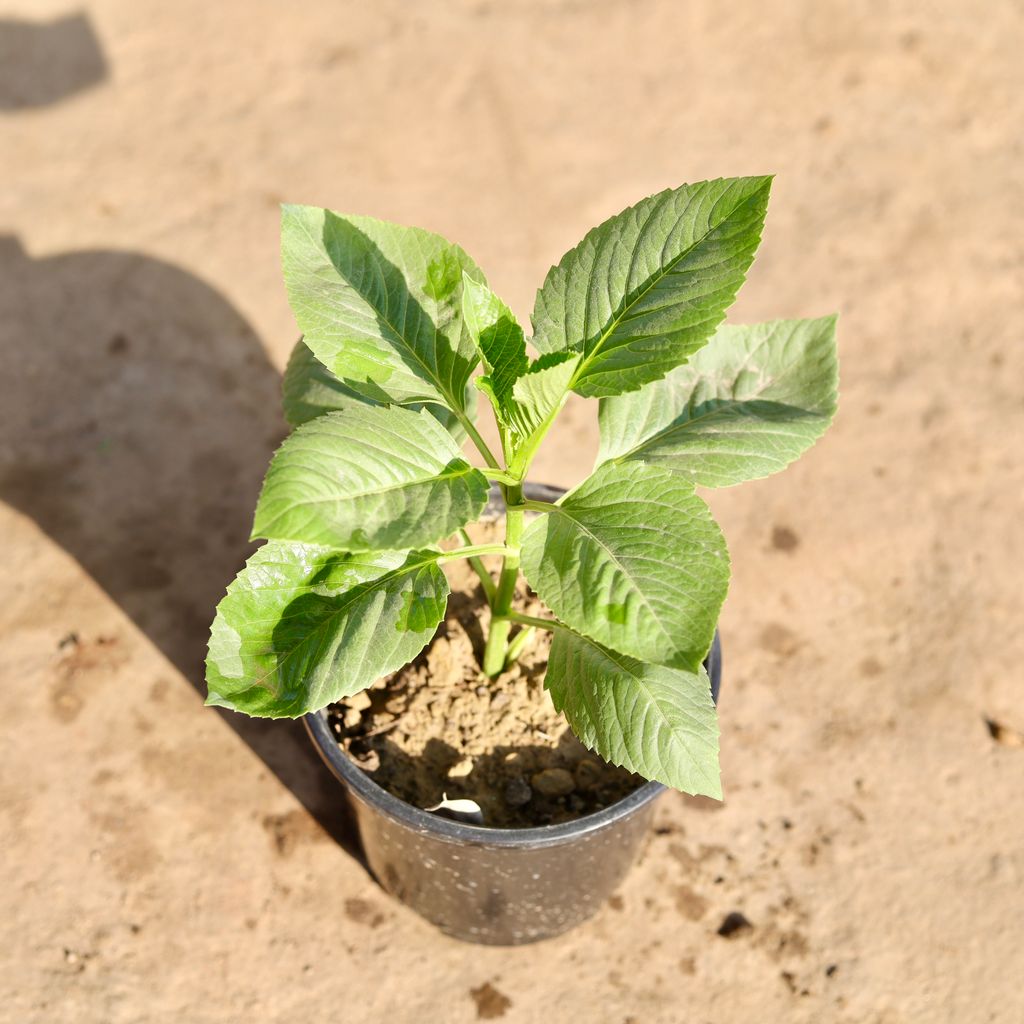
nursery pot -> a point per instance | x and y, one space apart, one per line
498 886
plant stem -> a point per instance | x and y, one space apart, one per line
537 506
486 580
533 620
501 476
481 444
475 550
518 643
496 650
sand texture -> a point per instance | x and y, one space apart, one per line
166 863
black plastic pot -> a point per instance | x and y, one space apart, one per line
489 885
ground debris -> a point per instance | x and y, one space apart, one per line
733 924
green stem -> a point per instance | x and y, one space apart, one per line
481 444
518 643
496 650
474 550
536 506
486 580
501 476
533 620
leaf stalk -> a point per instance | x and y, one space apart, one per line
501 476
518 644
536 506
486 580
475 550
533 620
474 435
496 649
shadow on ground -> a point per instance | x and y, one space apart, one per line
139 417
42 63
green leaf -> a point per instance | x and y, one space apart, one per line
310 389
647 288
632 559
500 339
539 393
749 403
368 478
380 305
656 721
302 626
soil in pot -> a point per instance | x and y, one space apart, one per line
439 727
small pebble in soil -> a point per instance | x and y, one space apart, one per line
369 762
1004 734
553 782
499 700
358 701
482 691
517 792
351 718
733 924
461 769
587 774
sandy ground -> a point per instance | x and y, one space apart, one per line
164 863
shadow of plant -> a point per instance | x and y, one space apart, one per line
140 412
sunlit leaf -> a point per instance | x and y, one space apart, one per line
500 339
745 406
632 559
302 626
659 722
309 390
369 478
647 288
380 305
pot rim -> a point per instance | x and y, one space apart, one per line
458 832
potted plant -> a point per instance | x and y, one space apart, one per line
343 614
